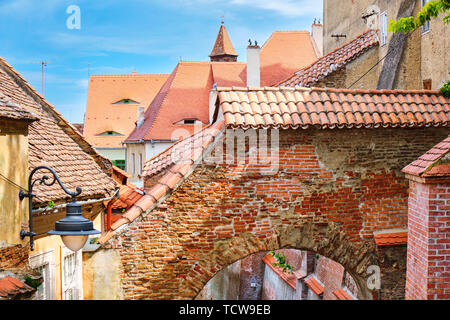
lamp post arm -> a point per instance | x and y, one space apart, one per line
42 180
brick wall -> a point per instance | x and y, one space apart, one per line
428 259
332 190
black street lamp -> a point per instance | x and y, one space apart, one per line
74 229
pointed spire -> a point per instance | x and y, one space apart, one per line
223 48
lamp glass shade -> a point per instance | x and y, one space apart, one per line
74 243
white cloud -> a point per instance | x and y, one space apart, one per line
288 8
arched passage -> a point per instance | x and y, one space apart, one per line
325 240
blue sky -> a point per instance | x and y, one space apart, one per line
117 37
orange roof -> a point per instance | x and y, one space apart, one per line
333 61
434 163
289 278
11 287
103 115
284 53
341 294
314 285
223 45
286 107
391 238
185 95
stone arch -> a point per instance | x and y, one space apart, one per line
325 239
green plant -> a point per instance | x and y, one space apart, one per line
429 11
281 262
50 204
34 283
445 90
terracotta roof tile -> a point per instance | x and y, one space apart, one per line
314 285
12 110
10 287
174 164
341 294
289 278
434 163
391 238
328 108
54 142
331 62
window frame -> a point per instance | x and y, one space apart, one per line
427 25
383 28
76 281
45 260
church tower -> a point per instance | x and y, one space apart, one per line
223 48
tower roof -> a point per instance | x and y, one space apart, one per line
223 45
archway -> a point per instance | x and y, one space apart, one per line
358 259
285 274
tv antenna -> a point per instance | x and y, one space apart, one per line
43 64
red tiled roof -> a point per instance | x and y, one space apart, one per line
333 61
285 107
284 53
12 110
289 278
175 163
341 294
434 163
128 196
223 45
54 142
185 94
314 285
11 287
102 114
391 238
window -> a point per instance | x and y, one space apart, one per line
427 84
189 121
44 263
132 163
383 22
140 164
110 134
426 26
72 277
119 164
126 101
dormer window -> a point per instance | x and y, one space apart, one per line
126 101
189 121
109 134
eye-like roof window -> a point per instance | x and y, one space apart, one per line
189 121
110 134
126 101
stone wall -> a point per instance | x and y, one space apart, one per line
332 190
420 57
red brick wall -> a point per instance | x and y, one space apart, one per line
331 274
332 190
428 256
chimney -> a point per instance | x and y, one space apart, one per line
253 65
140 116
317 35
